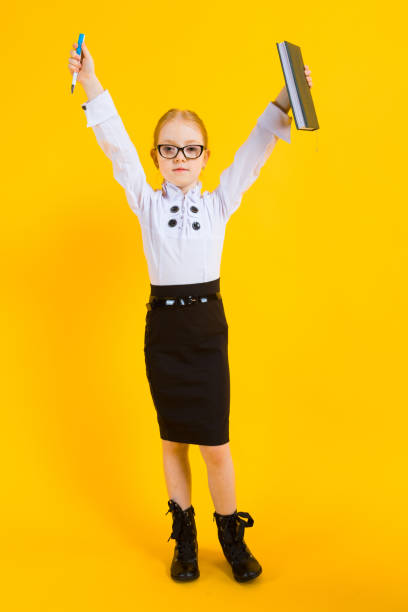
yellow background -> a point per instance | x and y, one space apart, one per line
314 282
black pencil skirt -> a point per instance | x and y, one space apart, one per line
186 356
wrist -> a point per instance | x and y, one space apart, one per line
283 109
282 100
92 87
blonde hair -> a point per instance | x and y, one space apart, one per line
187 115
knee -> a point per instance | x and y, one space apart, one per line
215 455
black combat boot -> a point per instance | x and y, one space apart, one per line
231 536
185 564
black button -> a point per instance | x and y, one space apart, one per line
193 208
174 208
173 222
196 225
84 107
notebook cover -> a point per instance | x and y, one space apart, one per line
302 86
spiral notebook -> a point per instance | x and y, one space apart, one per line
297 86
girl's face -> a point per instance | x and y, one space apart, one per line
180 132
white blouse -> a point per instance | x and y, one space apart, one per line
183 234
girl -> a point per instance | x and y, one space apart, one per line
186 332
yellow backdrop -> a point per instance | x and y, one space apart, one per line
318 369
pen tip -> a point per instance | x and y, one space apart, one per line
72 88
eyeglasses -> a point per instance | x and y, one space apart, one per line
189 151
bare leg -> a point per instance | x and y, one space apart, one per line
177 472
221 477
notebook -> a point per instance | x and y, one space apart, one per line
297 86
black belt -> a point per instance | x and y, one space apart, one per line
188 300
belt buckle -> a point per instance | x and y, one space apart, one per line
186 300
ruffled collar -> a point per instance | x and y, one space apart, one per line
174 192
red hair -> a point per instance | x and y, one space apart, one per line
187 115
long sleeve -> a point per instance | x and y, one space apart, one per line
103 118
250 157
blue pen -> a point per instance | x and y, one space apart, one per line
81 39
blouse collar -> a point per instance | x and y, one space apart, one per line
174 192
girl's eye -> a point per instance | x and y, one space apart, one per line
193 151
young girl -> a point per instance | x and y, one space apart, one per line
186 332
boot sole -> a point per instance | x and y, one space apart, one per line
186 578
248 579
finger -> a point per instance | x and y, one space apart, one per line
85 50
75 58
75 46
74 65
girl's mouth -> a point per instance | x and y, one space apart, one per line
180 170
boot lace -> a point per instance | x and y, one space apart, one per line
183 533
233 528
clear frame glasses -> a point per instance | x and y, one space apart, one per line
189 151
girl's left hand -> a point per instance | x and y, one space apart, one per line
308 78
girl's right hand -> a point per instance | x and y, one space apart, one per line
83 64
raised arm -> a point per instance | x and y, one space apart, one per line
273 124
103 118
